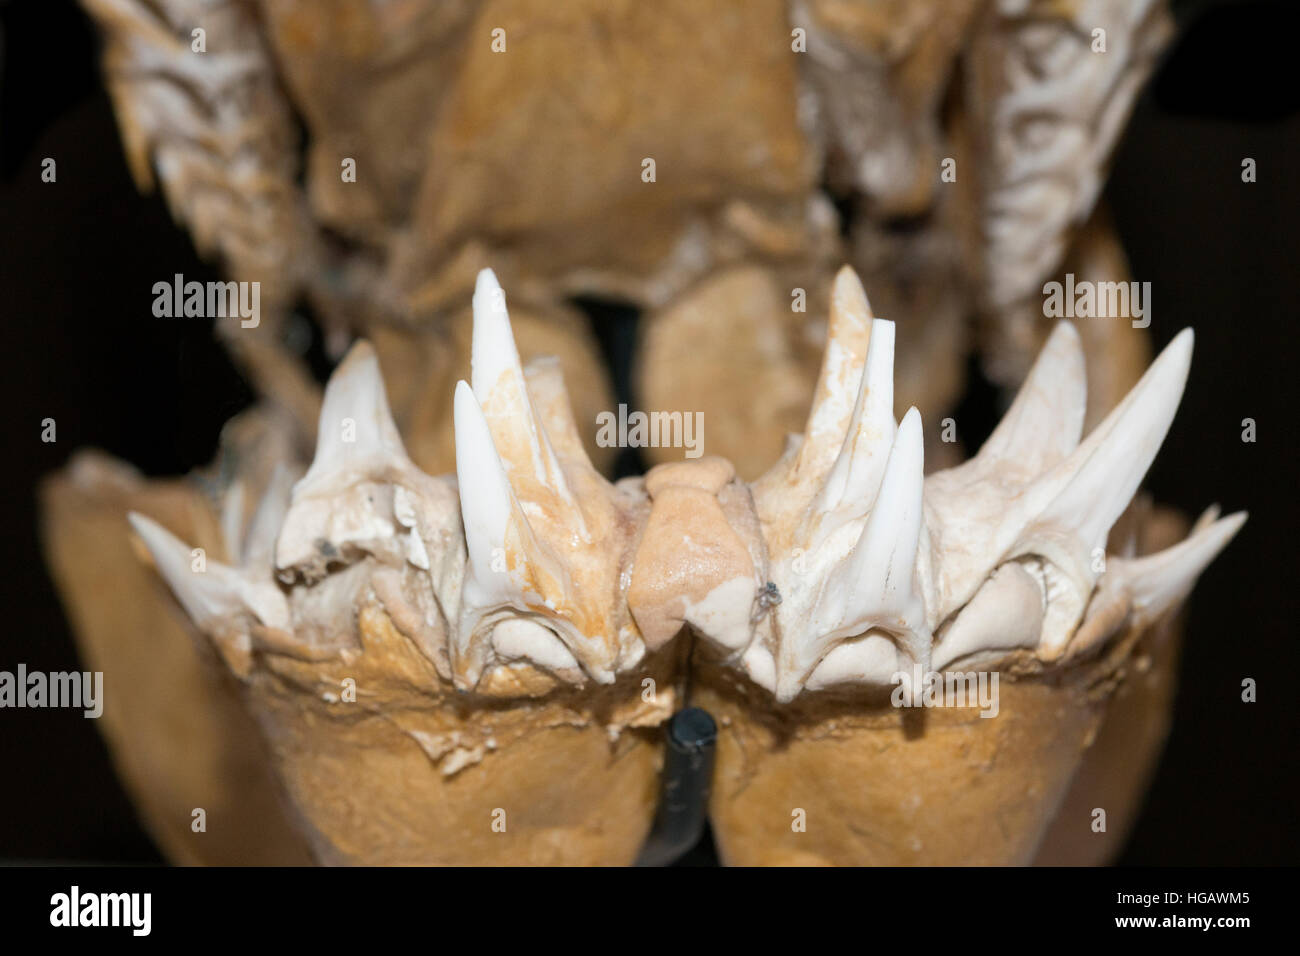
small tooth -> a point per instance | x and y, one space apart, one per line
356 432
1158 581
1095 483
847 336
486 499
215 594
268 518
499 386
1044 423
857 472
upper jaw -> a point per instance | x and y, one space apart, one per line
843 564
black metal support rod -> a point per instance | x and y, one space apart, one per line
683 787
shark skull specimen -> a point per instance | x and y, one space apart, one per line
425 653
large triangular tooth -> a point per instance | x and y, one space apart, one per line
858 468
215 596
848 334
1158 581
336 506
1088 491
875 585
356 434
1044 423
502 393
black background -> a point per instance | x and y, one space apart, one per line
78 259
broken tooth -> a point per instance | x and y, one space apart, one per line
212 594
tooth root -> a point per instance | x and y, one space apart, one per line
214 595
847 336
356 431
857 471
551 400
1158 581
499 385
1044 423
1093 486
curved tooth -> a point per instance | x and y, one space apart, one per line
217 596
848 335
1093 486
1158 581
502 393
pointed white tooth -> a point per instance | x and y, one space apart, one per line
881 565
857 471
268 519
874 586
486 500
847 336
1097 481
1158 581
1044 423
499 386
216 594
356 435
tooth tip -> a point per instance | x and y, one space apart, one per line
486 281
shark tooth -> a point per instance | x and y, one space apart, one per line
212 593
500 387
343 506
872 587
548 538
1156 582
